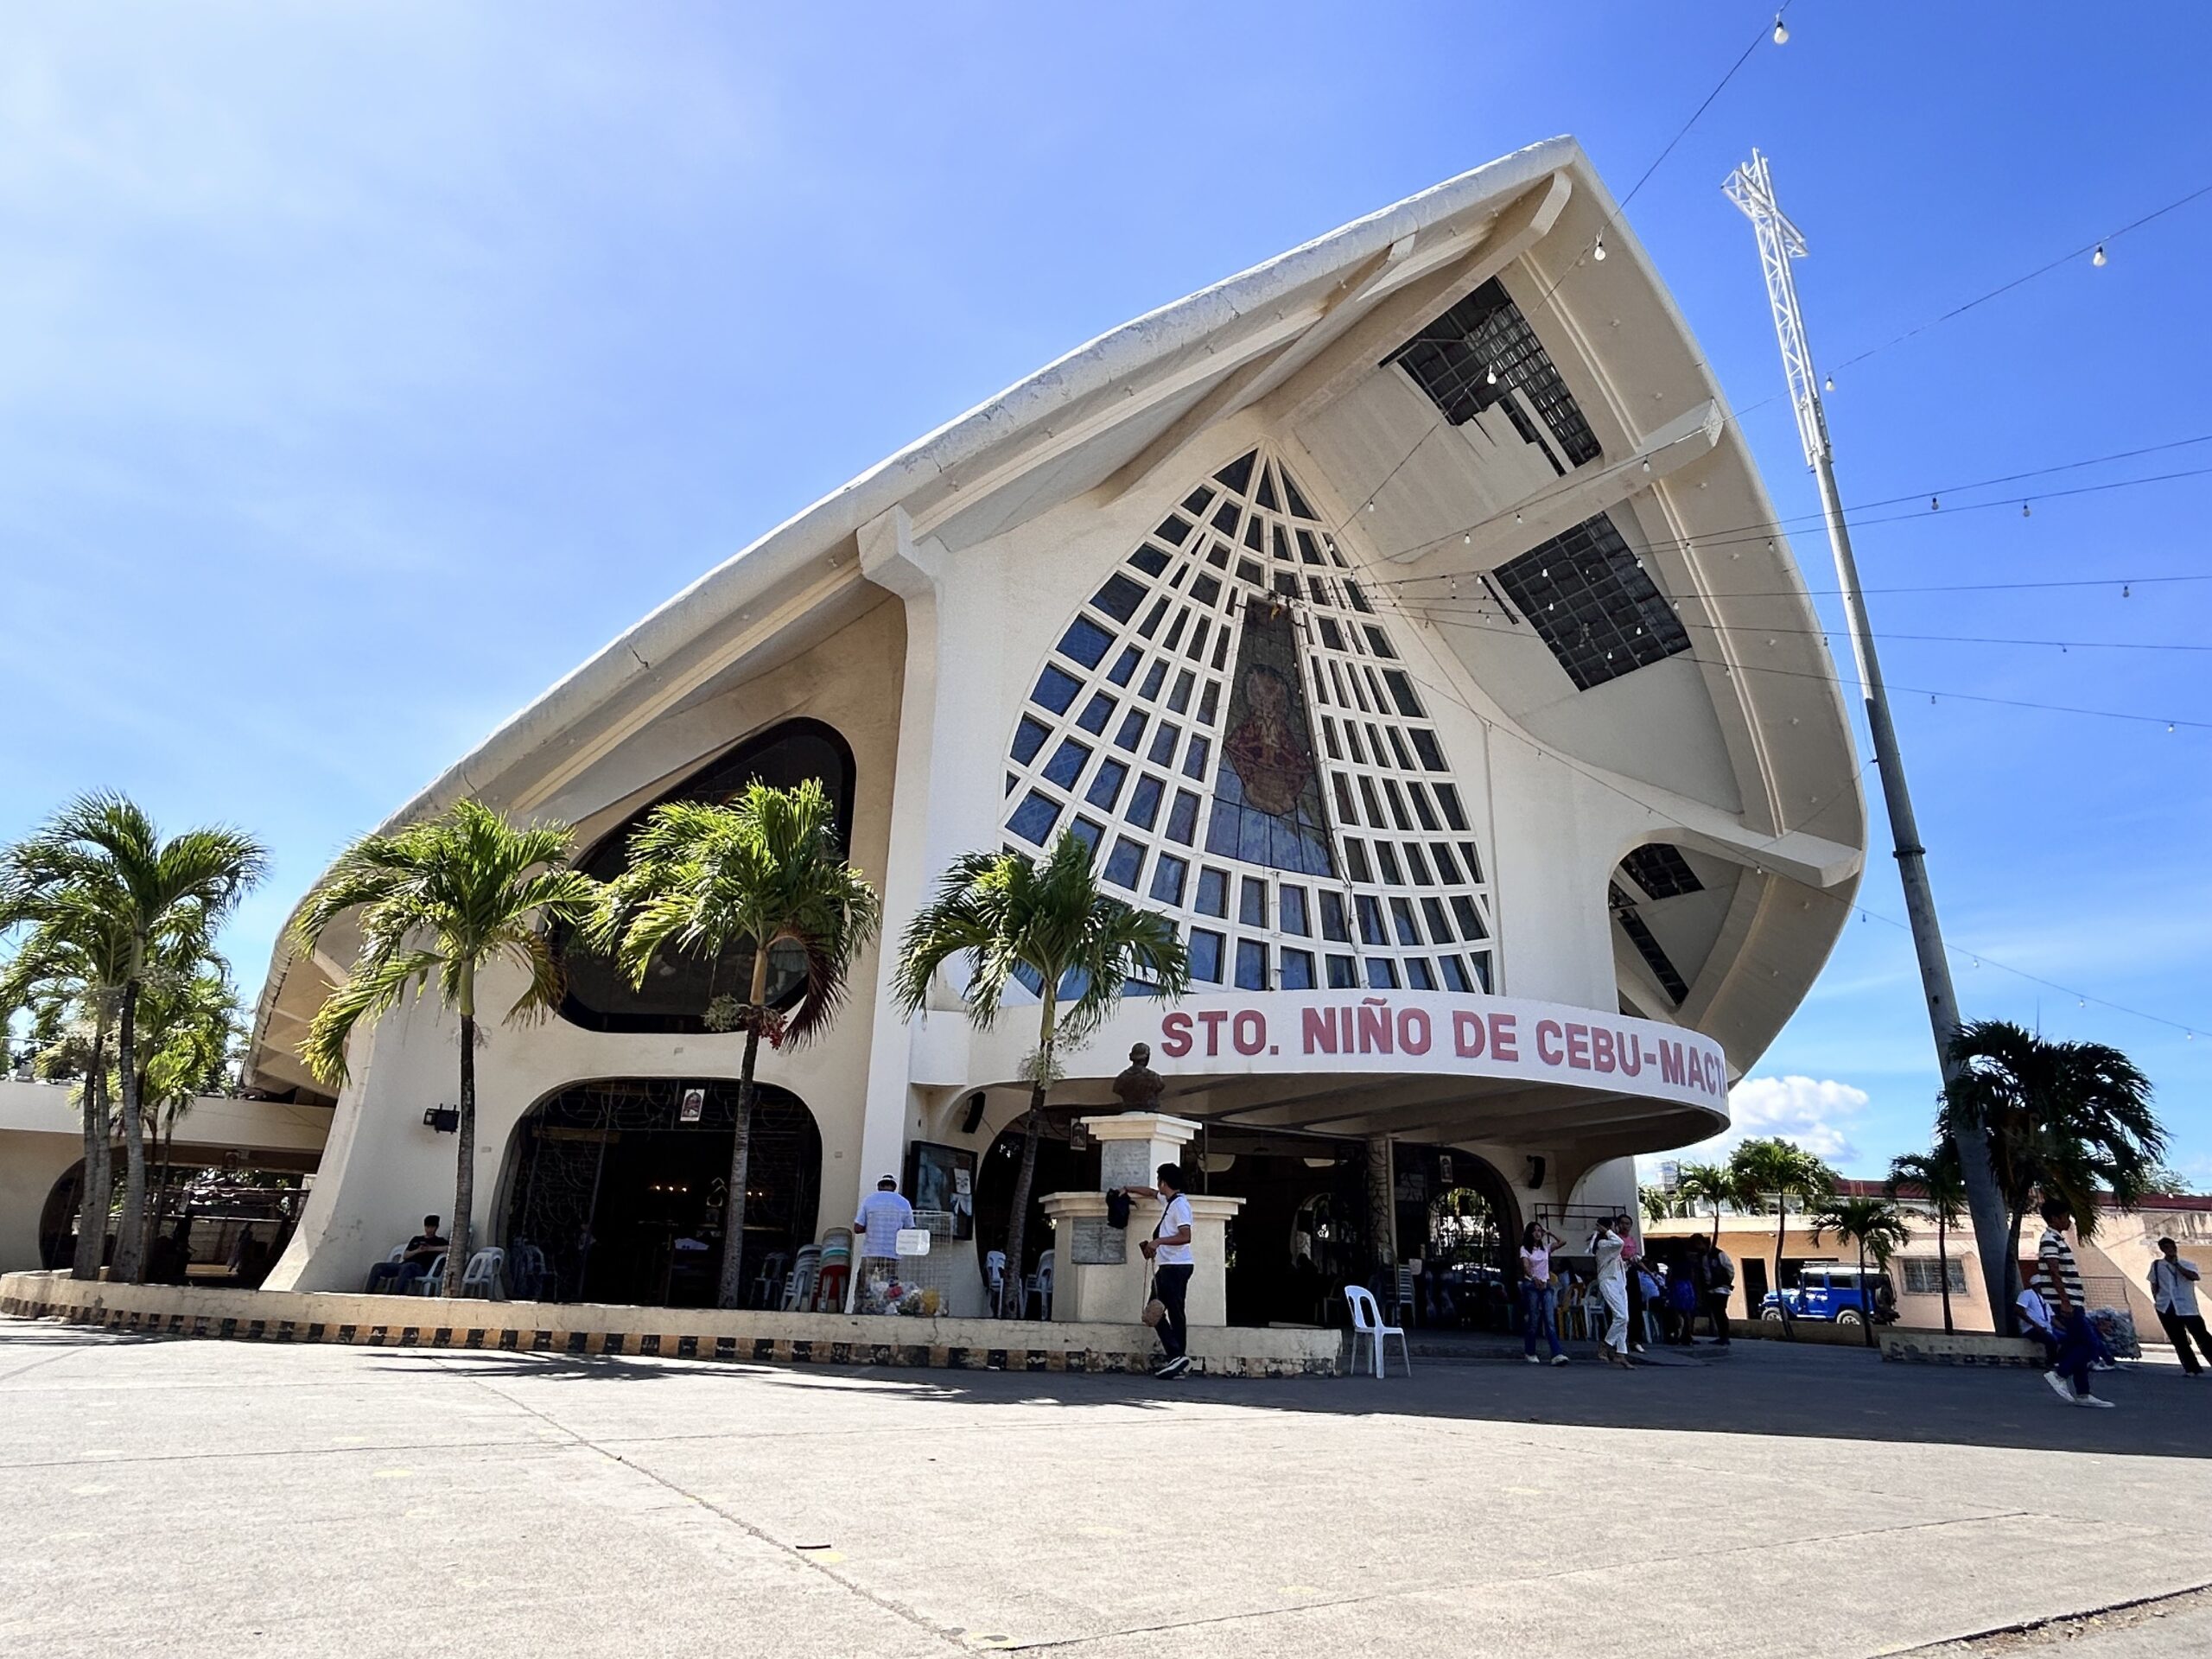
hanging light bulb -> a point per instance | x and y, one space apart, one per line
1647 468
1370 507
1490 375
1468 539
1517 518
1934 504
2024 513
1598 252
2124 590
1830 382
2170 725
1781 30
2098 258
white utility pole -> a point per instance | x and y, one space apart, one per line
1752 189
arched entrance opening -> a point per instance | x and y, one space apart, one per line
616 1190
1457 1214
207 1223
1060 1168
1302 1232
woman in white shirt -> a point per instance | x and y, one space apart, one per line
1539 1302
1172 1263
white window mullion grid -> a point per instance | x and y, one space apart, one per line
1224 560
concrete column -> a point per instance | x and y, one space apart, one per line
1098 1271
1382 1199
892 558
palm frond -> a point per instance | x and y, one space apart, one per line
440 899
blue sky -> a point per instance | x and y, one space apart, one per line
366 367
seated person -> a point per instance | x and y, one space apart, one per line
2036 1323
414 1260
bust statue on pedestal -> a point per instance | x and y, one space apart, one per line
1139 1088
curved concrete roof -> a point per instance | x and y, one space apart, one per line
1112 407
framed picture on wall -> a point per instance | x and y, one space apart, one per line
939 1177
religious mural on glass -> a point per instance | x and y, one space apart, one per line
1266 807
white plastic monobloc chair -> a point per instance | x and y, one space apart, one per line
433 1282
1367 1321
768 1283
481 1276
806 1273
1040 1287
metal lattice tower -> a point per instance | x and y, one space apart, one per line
1750 186
1752 189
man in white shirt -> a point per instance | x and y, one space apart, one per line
1612 1285
1173 1261
2173 1293
882 1214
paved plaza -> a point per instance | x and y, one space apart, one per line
180 1497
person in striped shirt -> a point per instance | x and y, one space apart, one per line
2058 1278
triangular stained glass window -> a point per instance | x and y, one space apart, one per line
1242 741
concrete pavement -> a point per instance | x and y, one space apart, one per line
187 1497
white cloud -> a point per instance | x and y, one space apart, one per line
1806 1111
1813 1113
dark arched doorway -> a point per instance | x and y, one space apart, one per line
622 1191
1060 1168
1457 1214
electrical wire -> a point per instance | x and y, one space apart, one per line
1450 609
1680 133
2086 248
2171 723
1977 957
1706 597
1767 529
1951 948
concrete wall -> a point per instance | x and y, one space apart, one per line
684 1333
383 1170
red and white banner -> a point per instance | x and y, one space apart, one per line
1262 1033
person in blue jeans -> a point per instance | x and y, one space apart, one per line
1172 1261
1539 1296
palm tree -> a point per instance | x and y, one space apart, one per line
1047 925
1788 1171
1705 1184
187 1025
766 870
156 894
1656 1202
68 968
1877 1227
1943 1189
2070 1120
444 900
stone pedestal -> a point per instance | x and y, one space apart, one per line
1098 1271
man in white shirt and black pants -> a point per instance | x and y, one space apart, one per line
2173 1293
1172 1263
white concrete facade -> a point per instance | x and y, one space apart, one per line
914 610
